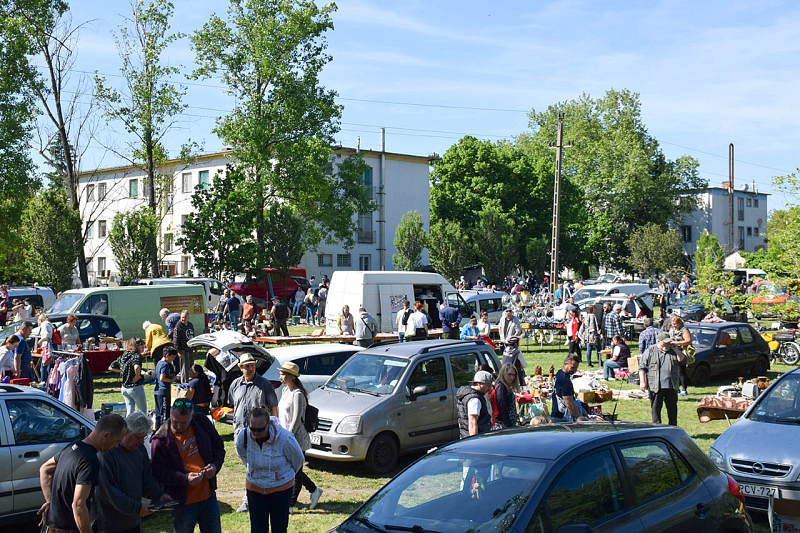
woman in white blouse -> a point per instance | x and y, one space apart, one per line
291 412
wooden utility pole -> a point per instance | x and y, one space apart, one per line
559 146
733 245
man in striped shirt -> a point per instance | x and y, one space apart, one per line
649 336
613 323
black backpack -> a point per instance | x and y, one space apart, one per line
311 418
404 320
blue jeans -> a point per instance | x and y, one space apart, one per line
608 368
310 314
296 308
234 318
135 399
163 403
204 514
269 509
596 349
401 336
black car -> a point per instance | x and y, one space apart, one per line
726 348
561 477
691 309
88 326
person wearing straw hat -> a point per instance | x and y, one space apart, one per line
246 393
291 412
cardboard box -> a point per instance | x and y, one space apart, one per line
586 396
633 364
603 395
178 392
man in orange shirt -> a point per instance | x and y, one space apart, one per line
187 453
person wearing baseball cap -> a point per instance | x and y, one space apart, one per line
512 355
659 373
473 411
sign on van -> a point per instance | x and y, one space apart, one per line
176 304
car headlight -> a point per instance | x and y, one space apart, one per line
350 425
717 458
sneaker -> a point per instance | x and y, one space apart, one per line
243 508
683 393
291 510
611 379
315 497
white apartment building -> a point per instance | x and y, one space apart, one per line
713 215
106 192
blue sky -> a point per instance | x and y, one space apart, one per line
708 73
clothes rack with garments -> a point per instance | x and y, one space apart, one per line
71 382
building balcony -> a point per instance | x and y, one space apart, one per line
365 236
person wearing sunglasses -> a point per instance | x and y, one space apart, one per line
272 457
292 412
125 478
187 452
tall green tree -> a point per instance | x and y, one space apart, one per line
620 168
537 257
709 261
498 248
409 240
150 102
269 54
133 241
779 260
286 241
450 249
43 29
654 249
219 230
50 226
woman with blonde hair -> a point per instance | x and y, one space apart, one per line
504 389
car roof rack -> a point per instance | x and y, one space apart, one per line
473 342
9 388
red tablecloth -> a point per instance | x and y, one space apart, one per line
98 359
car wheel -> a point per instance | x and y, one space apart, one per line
790 353
701 376
382 454
760 367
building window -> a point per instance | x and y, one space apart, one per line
186 182
365 262
755 202
101 266
741 209
168 241
749 202
741 237
170 194
184 218
749 231
185 265
343 260
101 228
325 260
133 188
756 231
101 192
366 182
365 235
204 179
90 193
686 233
90 230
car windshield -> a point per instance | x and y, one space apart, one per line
607 278
64 303
770 289
370 373
588 292
689 299
451 493
9 330
702 337
781 405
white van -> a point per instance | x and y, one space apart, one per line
131 306
382 294
489 301
40 297
604 289
213 287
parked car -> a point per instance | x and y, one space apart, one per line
726 348
390 400
33 428
40 297
271 283
760 449
584 477
88 326
317 362
768 296
692 309
489 301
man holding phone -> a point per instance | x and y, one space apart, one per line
126 477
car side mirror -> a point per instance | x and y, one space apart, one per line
84 432
722 347
575 528
422 390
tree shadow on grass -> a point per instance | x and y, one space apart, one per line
329 507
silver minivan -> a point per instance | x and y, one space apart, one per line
393 399
489 301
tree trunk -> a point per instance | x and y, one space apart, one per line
151 197
72 185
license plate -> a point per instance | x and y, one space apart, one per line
758 490
316 439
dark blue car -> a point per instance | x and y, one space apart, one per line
602 477
733 348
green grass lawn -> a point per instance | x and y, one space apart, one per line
347 485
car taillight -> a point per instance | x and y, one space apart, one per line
277 383
734 488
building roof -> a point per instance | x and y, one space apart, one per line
750 192
226 153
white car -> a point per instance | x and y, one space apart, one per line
317 362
